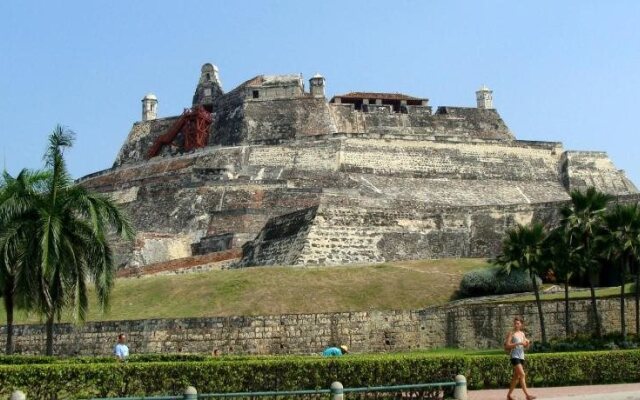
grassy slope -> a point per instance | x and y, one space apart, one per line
283 290
287 290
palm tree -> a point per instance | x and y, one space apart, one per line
16 198
637 296
68 246
621 244
522 248
559 255
583 219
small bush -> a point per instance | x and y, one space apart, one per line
610 341
490 281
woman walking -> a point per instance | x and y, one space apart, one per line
515 343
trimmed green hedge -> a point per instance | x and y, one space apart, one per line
24 359
74 380
558 369
165 357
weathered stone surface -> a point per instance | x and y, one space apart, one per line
199 263
583 169
474 326
382 182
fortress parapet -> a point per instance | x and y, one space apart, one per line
276 108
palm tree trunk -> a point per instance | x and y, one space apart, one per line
8 306
539 304
49 332
623 323
638 300
567 328
594 307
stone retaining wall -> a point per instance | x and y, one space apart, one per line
454 325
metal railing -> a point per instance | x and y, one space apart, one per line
336 392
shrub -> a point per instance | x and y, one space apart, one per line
170 378
70 380
490 281
610 341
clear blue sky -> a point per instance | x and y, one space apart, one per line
564 71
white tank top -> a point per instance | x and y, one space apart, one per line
518 351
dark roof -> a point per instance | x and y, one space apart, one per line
373 95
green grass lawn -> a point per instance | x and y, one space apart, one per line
282 290
293 290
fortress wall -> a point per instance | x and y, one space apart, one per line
583 169
176 201
281 241
461 160
345 118
242 223
472 122
363 230
251 216
466 159
222 157
228 127
155 247
461 122
402 156
140 139
236 121
204 164
483 123
170 220
353 235
303 156
452 192
286 118
476 326
156 171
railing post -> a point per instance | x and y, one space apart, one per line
18 395
190 393
337 392
460 391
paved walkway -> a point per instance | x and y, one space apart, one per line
627 391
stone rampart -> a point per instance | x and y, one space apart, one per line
454 325
141 138
234 191
381 154
473 160
239 120
281 241
583 169
448 121
352 230
284 119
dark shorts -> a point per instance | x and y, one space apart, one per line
516 361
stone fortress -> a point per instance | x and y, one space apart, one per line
270 173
